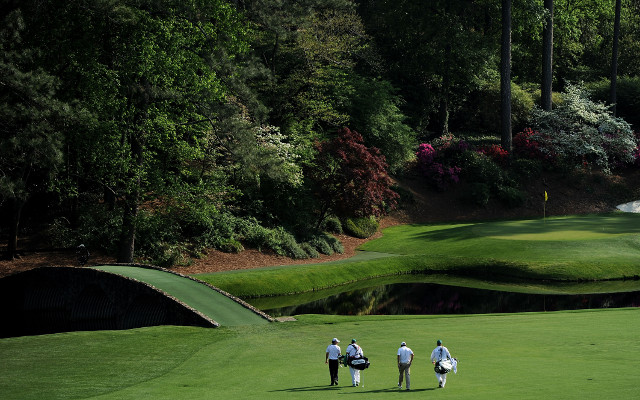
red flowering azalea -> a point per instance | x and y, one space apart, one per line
351 179
496 153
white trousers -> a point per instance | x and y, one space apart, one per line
355 375
442 379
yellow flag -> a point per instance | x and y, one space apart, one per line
545 196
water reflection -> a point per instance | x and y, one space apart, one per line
428 298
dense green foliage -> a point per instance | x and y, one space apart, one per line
361 227
177 126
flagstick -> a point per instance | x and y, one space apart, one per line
544 208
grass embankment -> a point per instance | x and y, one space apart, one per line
202 298
571 248
568 355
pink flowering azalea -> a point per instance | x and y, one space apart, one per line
426 153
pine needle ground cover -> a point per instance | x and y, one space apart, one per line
567 355
572 248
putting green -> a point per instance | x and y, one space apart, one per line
559 228
199 296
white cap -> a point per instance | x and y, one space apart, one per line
403 344
335 340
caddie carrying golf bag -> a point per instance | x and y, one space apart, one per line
443 366
361 363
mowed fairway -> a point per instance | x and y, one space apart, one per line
592 354
561 355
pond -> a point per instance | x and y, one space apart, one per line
420 298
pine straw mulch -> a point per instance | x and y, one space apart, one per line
568 194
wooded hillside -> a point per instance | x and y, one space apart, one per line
154 130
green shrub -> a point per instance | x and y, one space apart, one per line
477 193
332 224
628 97
169 255
511 196
480 168
214 228
230 246
253 234
283 243
319 242
310 250
98 228
526 169
486 101
335 244
533 88
361 227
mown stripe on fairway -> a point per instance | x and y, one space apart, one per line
199 296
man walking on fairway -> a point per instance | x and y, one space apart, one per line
354 352
405 358
438 354
331 358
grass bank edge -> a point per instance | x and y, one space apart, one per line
275 281
283 281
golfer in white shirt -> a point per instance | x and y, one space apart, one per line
405 358
438 354
354 351
332 358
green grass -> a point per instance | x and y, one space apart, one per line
590 354
211 303
572 248
567 355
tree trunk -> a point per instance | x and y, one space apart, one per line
505 77
131 201
613 97
128 233
14 224
547 58
446 84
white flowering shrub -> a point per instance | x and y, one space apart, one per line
270 140
581 132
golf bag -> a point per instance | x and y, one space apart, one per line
360 363
443 366
344 360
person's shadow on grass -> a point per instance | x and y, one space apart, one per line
348 389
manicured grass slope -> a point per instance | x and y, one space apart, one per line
573 248
196 295
567 355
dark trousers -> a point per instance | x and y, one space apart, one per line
333 371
